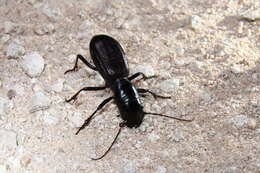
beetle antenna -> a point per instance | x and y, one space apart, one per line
121 125
180 119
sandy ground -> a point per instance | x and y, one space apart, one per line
206 59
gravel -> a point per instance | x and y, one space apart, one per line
8 140
33 64
39 102
146 69
9 27
3 105
239 120
14 50
251 14
170 85
206 58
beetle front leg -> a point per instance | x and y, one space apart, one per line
140 74
74 97
100 106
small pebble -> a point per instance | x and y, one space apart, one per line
11 94
256 77
5 38
3 105
50 120
25 161
197 66
76 119
53 14
8 139
240 28
177 136
146 69
161 169
236 69
170 85
196 22
9 27
179 51
239 120
58 85
45 29
204 98
3 168
33 64
231 170
251 123
40 102
153 137
86 26
14 50
129 167
252 14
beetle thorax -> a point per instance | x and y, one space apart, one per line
128 102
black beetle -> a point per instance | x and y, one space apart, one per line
110 61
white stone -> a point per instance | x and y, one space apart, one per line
197 66
45 29
53 14
8 139
252 123
146 69
33 64
9 27
161 169
256 77
128 168
40 102
3 105
50 120
170 85
239 120
14 50
58 85
236 69
3 169
76 119
196 22
153 137
252 14
5 38
204 97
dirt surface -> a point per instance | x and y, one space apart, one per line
206 54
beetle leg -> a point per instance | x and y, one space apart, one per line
100 106
141 90
142 74
84 61
74 97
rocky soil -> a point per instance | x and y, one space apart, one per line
206 54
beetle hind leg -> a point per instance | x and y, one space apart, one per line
75 68
74 97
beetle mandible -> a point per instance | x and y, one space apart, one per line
110 61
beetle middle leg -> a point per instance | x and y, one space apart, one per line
74 97
140 74
141 90
84 61
100 106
